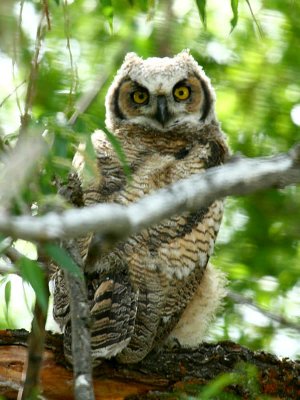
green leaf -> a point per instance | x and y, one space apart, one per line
201 4
7 296
119 150
216 386
32 273
7 293
143 5
108 11
63 259
234 7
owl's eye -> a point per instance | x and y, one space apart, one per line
140 96
181 93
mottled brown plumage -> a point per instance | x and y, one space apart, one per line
155 284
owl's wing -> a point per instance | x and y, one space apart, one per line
61 307
113 313
148 316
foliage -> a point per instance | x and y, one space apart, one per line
254 67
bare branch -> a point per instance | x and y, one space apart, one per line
81 335
47 14
31 87
259 28
74 75
239 177
11 93
239 299
36 342
13 254
7 268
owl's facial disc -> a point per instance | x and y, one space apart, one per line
161 104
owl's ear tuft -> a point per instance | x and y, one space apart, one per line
185 56
132 58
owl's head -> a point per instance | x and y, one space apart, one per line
160 94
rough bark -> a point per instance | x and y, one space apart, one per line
81 336
174 371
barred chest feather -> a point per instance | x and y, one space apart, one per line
179 244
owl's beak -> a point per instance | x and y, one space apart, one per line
162 113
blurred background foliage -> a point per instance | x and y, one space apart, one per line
255 69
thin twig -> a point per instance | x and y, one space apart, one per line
260 31
47 14
13 254
36 341
10 94
74 76
5 244
80 325
6 268
15 52
31 87
239 299
31 389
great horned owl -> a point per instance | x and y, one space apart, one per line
156 285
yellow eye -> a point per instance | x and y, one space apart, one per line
140 96
181 93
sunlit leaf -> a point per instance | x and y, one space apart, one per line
62 258
32 273
216 386
201 4
7 293
108 11
245 374
5 281
234 7
143 4
120 152
83 123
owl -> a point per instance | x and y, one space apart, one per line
157 286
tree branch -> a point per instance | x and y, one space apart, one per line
31 387
80 318
178 371
238 177
239 299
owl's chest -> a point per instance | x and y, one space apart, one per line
154 170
